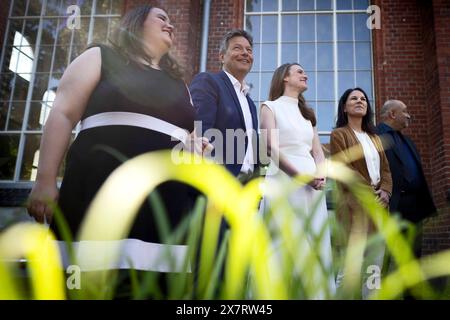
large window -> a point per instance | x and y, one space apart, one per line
329 38
42 38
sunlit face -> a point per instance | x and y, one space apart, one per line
356 104
296 78
238 58
401 116
157 31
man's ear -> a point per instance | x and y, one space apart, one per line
221 56
392 114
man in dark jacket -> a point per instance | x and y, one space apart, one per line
410 193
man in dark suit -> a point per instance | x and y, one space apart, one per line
410 193
226 115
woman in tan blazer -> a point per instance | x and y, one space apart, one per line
355 143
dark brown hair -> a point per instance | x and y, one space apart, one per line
342 118
127 39
277 87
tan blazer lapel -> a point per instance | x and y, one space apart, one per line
359 164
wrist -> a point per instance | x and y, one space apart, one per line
46 179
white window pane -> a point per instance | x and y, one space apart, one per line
307 27
32 143
363 55
346 80
324 138
343 4
21 64
289 5
307 56
324 56
306 5
252 25
268 57
364 80
289 53
360 4
289 28
310 93
254 5
325 85
54 8
266 78
18 38
362 33
256 57
252 80
344 27
345 55
270 5
324 27
325 115
269 28
323 5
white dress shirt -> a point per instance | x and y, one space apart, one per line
371 155
241 92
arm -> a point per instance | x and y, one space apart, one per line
269 134
270 138
385 190
319 157
74 90
341 152
204 92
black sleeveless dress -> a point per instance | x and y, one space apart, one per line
126 86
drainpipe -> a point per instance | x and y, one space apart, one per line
205 31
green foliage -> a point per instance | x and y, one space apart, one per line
261 256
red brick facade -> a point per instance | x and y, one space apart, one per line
411 63
186 16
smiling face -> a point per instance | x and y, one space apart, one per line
157 32
296 79
356 104
238 57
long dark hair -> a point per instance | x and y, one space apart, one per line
277 87
342 119
127 39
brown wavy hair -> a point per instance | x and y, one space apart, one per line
277 87
127 39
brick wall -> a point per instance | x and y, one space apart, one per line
411 63
225 15
437 73
186 16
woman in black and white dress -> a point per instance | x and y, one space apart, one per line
126 95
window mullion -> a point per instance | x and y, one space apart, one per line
29 97
335 60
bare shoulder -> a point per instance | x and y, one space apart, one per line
86 66
90 57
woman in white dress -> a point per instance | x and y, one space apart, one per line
289 129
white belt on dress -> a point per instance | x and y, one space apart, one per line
135 120
130 254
